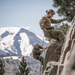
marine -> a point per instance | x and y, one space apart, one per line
49 31
37 50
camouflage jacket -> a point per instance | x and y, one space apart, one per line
45 22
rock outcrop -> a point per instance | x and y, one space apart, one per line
56 57
52 55
68 56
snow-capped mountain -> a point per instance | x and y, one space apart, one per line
15 40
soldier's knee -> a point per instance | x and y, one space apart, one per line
61 32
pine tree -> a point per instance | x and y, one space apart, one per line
23 70
66 8
2 71
64 27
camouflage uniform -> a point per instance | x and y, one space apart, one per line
50 32
37 52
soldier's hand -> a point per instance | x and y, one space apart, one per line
44 48
65 18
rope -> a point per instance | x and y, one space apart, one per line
43 41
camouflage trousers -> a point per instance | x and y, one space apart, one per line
40 58
58 35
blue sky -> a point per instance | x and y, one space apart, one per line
24 13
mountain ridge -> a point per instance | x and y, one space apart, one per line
17 40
